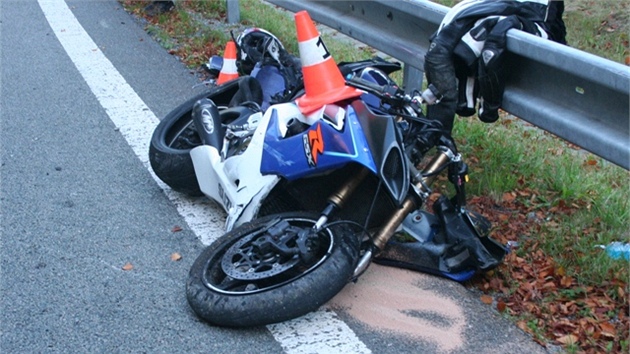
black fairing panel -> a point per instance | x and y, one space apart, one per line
385 142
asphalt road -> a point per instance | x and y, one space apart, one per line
78 203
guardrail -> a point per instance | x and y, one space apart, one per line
577 96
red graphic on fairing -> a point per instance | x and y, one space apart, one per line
313 145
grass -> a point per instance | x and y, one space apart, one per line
183 32
599 27
557 201
193 28
595 191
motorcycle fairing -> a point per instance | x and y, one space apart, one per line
451 243
324 145
365 137
385 143
235 183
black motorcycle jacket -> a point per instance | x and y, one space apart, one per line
465 62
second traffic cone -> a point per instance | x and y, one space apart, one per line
323 82
228 70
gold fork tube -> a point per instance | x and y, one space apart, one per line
390 227
438 161
340 196
410 203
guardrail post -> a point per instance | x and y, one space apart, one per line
412 78
233 12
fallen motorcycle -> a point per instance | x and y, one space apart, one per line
317 188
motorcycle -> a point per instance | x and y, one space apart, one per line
312 199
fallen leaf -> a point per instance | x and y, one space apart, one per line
608 330
127 266
486 299
176 228
568 339
508 197
590 162
501 306
566 281
560 271
176 257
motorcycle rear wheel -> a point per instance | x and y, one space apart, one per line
175 136
280 288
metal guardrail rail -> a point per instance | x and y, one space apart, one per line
577 96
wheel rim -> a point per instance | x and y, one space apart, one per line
183 135
244 260
246 266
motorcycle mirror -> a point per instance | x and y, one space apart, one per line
214 65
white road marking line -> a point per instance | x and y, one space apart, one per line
318 332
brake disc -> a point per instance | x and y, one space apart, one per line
248 260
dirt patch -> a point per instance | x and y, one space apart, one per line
387 299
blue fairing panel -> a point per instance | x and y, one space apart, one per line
321 147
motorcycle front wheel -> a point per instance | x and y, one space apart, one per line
252 275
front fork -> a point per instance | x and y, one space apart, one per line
422 180
457 174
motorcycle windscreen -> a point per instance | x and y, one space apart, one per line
320 147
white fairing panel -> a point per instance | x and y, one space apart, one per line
236 183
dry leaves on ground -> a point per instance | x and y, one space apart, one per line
554 307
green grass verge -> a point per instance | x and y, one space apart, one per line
514 156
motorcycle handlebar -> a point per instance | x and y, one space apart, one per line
363 84
390 94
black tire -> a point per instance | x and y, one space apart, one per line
277 291
175 136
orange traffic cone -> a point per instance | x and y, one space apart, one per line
228 70
323 82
